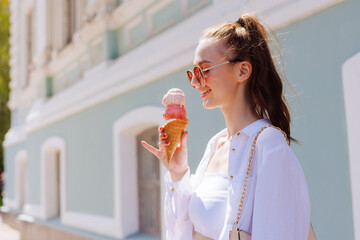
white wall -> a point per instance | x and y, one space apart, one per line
351 83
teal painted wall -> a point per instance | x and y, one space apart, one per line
9 164
315 49
89 169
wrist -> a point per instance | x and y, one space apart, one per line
177 176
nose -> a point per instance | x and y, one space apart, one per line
195 83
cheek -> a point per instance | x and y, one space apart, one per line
225 81
213 78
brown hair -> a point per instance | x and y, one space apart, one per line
247 39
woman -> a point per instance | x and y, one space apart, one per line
234 71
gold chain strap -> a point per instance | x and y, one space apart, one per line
249 168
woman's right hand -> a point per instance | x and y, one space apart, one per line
178 164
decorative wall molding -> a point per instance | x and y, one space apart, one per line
49 199
35 210
187 9
19 168
93 223
28 6
99 6
129 42
14 136
15 30
42 32
127 10
10 203
351 84
290 11
20 178
150 12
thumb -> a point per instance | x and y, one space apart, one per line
184 139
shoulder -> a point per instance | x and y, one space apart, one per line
271 137
273 151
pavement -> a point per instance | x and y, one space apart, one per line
7 232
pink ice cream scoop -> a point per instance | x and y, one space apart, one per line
174 111
174 101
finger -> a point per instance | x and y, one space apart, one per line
150 148
183 142
163 144
162 136
161 129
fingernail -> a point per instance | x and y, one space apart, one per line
167 142
161 128
164 135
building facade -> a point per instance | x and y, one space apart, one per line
88 78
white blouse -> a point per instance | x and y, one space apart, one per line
276 206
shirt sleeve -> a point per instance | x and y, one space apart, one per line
281 201
177 196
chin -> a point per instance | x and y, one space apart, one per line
208 105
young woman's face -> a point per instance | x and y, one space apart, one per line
220 87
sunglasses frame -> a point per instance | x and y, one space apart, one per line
191 74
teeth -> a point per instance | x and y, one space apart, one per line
205 91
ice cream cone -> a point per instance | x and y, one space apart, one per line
174 130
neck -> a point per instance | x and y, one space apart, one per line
237 116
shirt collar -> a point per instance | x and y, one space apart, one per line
254 127
249 130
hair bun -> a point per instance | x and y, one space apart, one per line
241 22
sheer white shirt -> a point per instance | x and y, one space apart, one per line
276 206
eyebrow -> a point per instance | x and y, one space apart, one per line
202 61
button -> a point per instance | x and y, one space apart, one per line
172 189
238 133
233 149
231 177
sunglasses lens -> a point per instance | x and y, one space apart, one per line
199 75
189 75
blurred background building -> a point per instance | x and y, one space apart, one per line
87 80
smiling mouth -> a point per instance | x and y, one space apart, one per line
204 93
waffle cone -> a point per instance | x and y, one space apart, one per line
174 130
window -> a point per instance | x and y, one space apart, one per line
52 178
27 47
20 178
70 19
66 19
149 185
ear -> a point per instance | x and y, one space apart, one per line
243 71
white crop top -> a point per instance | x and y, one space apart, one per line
207 206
